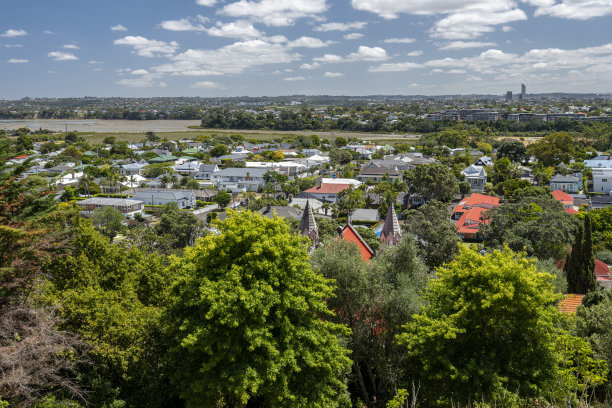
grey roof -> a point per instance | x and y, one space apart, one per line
379 171
559 178
241 172
208 167
281 211
601 199
391 232
206 193
163 194
109 201
473 170
365 214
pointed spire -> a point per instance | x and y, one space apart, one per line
391 233
308 225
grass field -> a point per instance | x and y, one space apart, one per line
250 134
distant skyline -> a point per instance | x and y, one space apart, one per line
210 48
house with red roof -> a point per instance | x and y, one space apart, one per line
564 198
348 233
325 192
569 304
602 272
476 200
469 224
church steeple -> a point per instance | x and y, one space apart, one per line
391 233
308 225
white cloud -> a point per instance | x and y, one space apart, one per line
231 59
236 29
333 74
207 85
148 48
17 61
48 32
140 72
142 82
118 27
507 29
206 3
314 65
296 78
399 40
352 36
356 25
395 67
328 58
572 9
365 53
184 24
460 45
308 42
163 85
13 45
462 19
71 46
95 62
278 13
62 56
415 53
457 71
11 33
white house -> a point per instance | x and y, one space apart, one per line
127 207
239 179
602 180
476 176
182 198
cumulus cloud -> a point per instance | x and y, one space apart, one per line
365 53
142 82
395 67
333 74
95 62
230 59
12 45
140 72
308 42
207 85
572 9
399 40
11 33
62 56
274 12
118 27
356 25
463 19
328 58
415 53
296 78
47 32
184 24
71 46
235 29
206 3
314 65
352 36
17 61
460 45
148 48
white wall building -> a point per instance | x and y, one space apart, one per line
602 180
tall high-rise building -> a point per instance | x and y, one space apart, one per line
523 91
508 96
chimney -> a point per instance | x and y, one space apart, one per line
268 207
248 176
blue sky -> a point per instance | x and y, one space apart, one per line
281 47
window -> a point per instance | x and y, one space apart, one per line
604 180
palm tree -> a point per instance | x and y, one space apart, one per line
165 179
326 207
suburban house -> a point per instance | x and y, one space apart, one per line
570 184
239 179
565 199
602 180
604 161
365 215
132 169
187 168
164 158
325 192
476 176
128 207
376 174
348 233
469 213
206 170
182 198
484 161
601 201
281 211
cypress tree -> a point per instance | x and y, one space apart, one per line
588 259
572 265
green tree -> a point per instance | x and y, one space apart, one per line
219 150
488 326
538 225
501 170
340 156
554 149
436 236
181 228
108 221
580 263
434 182
246 321
223 199
513 150
340 141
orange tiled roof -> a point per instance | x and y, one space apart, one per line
328 189
349 234
569 304
562 196
473 215
570 210
475 200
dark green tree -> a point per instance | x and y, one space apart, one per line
223 199
434 182
580 263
